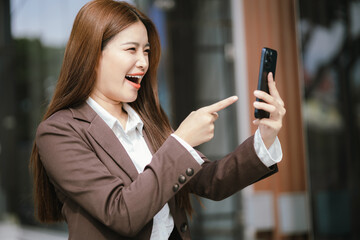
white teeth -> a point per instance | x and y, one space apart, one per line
134 76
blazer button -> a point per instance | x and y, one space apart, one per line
184 227
176 187
182 179
189 172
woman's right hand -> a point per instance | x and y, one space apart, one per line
198 127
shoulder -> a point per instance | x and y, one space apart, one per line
62 129
58 125
73 118
60 116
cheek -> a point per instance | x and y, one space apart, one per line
109 78
112 70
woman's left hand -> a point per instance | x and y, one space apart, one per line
270 127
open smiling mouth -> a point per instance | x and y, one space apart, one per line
134 80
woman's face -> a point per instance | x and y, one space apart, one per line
122 65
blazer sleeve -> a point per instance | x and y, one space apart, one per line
78 173
222 178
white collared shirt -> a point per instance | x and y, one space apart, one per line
134 143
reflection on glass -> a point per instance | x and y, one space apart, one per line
330 37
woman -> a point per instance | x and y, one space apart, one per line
105 158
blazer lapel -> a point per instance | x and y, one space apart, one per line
106 138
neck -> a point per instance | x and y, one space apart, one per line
113 107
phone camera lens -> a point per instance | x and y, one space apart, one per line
268 58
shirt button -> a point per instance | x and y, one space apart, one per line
176 187
189 172
182 179
184 227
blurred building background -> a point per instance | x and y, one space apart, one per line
211 50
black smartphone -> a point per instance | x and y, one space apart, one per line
267 65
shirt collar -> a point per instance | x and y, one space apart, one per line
134 121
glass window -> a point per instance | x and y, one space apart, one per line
330 34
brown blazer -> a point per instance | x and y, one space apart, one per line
103 195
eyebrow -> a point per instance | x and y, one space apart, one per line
136 44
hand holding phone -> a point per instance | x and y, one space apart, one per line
267 65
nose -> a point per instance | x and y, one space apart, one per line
143 61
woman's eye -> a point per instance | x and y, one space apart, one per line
147 51
131 49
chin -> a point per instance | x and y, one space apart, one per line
131 99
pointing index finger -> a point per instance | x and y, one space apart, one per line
221 104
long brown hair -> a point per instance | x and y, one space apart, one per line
95 25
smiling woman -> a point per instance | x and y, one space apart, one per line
105 158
